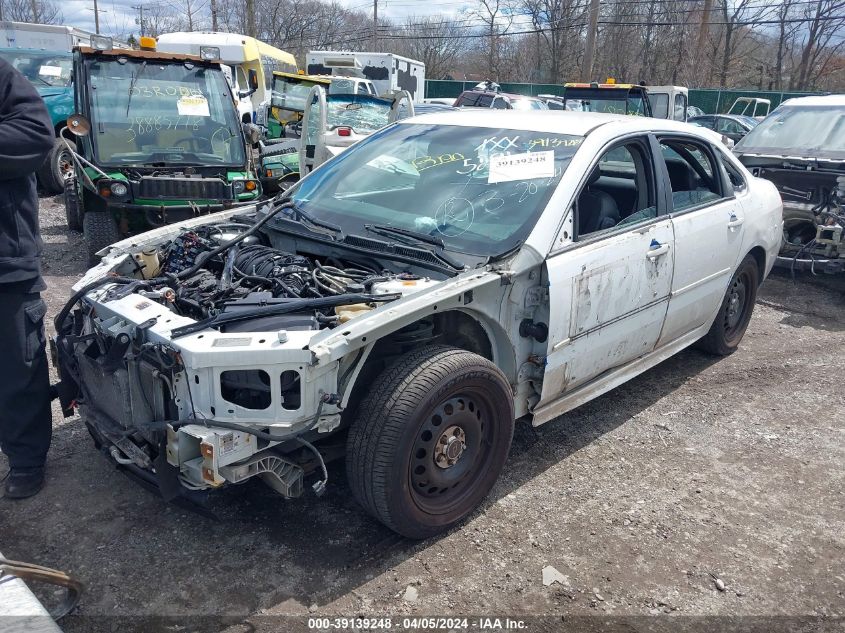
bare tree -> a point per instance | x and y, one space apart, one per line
497 18
826 19
438 43
35 11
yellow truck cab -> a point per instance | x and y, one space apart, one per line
249 62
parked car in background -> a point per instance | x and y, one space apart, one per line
800 147
407 300
498 101
554 102
49 72
439 100
734 126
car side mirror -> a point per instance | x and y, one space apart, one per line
78 125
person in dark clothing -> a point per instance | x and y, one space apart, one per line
26 137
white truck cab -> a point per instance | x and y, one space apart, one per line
669 102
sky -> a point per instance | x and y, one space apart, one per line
118 16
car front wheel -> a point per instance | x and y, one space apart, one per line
430 439
735 312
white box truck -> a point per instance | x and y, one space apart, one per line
50 37
387 71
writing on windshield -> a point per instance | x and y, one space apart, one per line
162 113
478 189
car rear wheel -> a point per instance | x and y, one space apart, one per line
735 312
100 230
430 439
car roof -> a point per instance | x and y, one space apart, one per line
819 100
551 121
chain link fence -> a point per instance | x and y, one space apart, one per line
711 101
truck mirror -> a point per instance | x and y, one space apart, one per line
78 125
252 133
253 79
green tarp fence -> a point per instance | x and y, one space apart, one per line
711 101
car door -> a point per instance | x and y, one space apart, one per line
707 217
609 287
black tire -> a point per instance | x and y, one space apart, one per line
99 229
269 151
400 467
735 312
56 167
73 210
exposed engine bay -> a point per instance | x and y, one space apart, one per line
235 286
814 211
190 356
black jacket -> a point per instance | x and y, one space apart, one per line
26 137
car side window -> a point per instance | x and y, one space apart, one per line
620 191
500 104
735 177
692 174
680 107
729 126
243 84
484 101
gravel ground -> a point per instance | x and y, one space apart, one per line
700 469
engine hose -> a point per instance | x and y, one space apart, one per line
62 315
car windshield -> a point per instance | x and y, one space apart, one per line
362 113
606 100
813 131
290 94
154 112
42 68
480 190
528 104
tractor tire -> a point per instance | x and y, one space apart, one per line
73 209
100 230
57 167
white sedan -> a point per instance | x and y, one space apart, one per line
408 300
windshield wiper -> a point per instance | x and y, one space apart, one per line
304 215
418 237
132 84
385 229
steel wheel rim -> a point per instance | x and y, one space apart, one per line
738 300
441 473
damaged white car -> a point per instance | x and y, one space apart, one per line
402 305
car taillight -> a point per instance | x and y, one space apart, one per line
344 131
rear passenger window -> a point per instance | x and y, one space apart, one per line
620 191
484 101
500 104
736 178
692 175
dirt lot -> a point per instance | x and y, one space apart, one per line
700 468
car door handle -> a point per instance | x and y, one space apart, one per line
735 222
656 250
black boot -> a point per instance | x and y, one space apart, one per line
23 483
